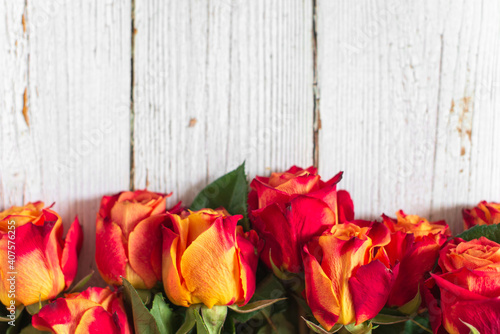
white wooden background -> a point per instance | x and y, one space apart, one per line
98 96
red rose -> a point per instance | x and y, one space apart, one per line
129 238
467 289
483 214
415 244
345 283
288 209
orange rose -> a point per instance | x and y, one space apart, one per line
128 238
468 288
479 254
483 214
94 310
208 259
345 283
418 226
415 244
35 262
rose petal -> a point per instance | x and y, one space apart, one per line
213 252
370 287
145 249
320 294
37 263
97 320
484 315
110 256
415 262
248 260
72 247
172 279
345 206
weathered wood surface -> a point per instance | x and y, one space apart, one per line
217 83
409 101
102 96
72 60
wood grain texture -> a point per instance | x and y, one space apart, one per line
220 82
388 73
467 144
408 97
77 78
14 131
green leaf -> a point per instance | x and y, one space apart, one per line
363 328
201 327
35 308
282 275
229 191
387 319
269 288
146 295
164 316
31 330
417 325
78 287
320 330
19 310
413 305
190 319
473 330
144 322
491 232
214 318
255 306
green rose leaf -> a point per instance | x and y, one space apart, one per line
146 295
35 308
192 314
270 288
418 324
255 306
211 319
229 191
78 287
387 319
320 330
413 305
364 328
491 232
144 321
473 330
164 315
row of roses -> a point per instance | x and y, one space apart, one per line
303 228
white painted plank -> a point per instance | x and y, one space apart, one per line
217 83
14 132
468 145
387 74
77 147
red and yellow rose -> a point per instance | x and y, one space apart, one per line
467 288
483 214
31 245
95 310
208 259
415 244
128 238
345 283
288 209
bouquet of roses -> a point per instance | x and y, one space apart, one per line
283 254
